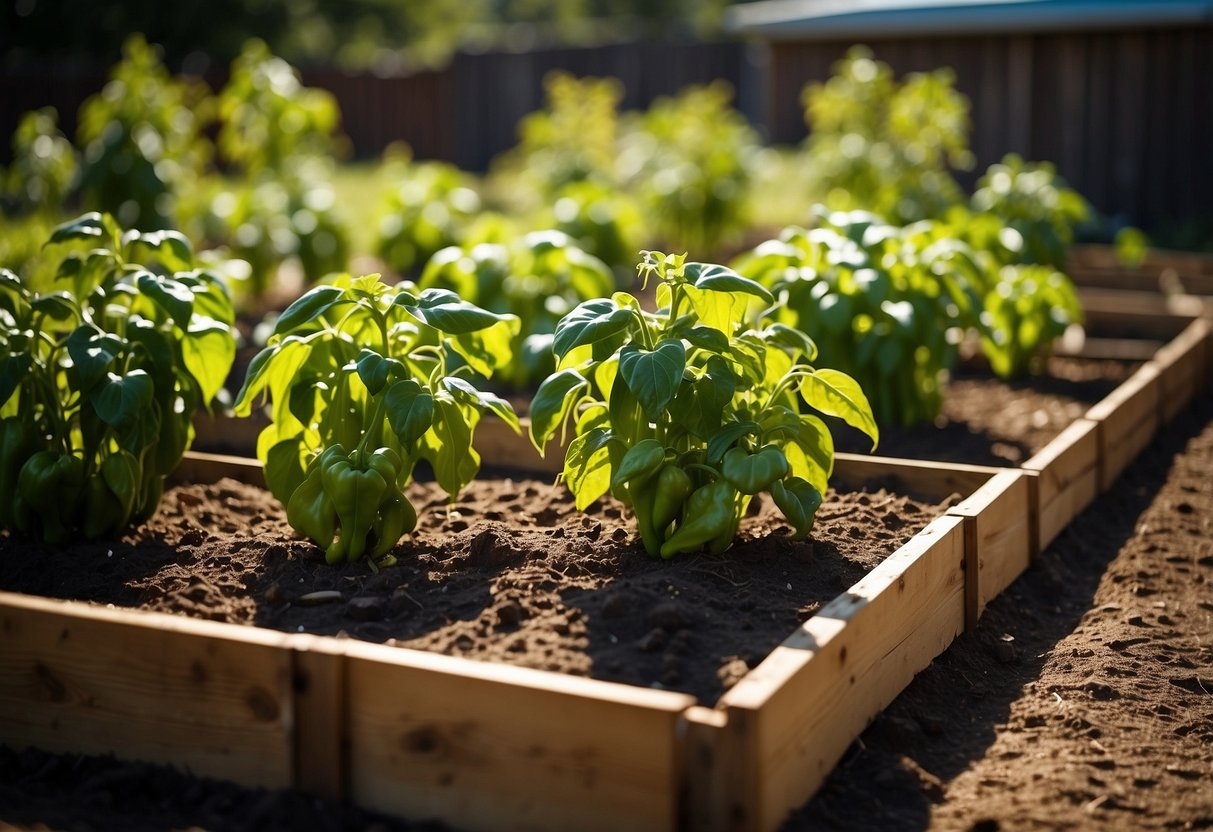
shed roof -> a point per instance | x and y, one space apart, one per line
844 19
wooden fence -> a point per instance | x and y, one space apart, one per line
1125 115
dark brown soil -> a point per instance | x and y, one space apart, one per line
511 572
989 421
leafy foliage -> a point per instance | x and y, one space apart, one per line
100 379
1035 204
695 164
684 413
886 147
538 279
142 140
44 164
356 364
427 206
887 305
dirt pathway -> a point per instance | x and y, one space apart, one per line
1084 700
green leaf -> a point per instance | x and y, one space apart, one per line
707 338
454 460
587 466
92 351
487 349
274 367
59 306
590 322
713 278
653 376
121 398
374 370
13 368
465 391
790 339
811 452
552 403
172 296
92 227
284 469
835 393
208 350
172 246
446 311
727 436
308 307
410 411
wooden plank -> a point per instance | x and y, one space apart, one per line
998 538
500 447
201 467
321 748
1181 369
213 698
792 717
927 480
485 746
1067 478
1127 419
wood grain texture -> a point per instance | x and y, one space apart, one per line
1127 419
485 746
1181 369
934 481
998 538
213 698
1067 480
794 715
198 467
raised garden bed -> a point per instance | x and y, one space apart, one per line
481 744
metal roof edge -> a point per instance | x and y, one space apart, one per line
779 20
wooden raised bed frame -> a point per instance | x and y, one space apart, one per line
482 745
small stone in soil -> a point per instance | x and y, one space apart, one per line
366 608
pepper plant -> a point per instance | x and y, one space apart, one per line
361 387
887 305
99 380
538 278
685 413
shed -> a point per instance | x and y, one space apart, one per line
1117 93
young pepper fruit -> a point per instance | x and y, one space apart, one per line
50 484
710 518
16 446
345 498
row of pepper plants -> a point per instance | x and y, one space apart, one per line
682 409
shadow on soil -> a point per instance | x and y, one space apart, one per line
947 718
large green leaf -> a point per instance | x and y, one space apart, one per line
284 469
590 322
174 297
468 393
121 398
653 375
309 306
375 370
454 460
587 466
446 311
410 410
713 278
489 348
274 367
60 306
13 368
208 350
92 352
92 227
811 452
835 393
552 403
172 247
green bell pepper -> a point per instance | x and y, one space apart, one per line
17 444
711 512
357 486
310 509
799 501
51 484
673 487
751 473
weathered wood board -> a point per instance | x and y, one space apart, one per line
1127 419
213 698
1065 479
1182 372
485 746
789 721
